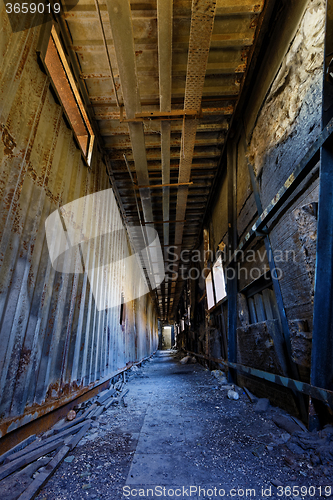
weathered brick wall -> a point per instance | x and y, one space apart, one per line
273 138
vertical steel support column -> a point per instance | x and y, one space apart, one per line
272 267
322 340
232 268
278 294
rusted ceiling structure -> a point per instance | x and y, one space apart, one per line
164 78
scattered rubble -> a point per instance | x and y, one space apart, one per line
26 468
233 394
295 442
220 376
188 360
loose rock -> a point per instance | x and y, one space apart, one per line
262 405
71 415
233 395
286 424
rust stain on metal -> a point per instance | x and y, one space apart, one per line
245 54
25 55
24 360
257 8
254 23
241 68
8 141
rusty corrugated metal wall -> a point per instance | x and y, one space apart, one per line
54 342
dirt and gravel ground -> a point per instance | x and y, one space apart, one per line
179 432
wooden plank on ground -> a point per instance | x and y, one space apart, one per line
73 442
113 401
41 479
39 444
70 424
124 394
15 484
106 395
89 411
13 466
251 397
97 412
18 447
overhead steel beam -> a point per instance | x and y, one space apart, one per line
107 53
119 129
163 186
229 68
152 155
202 22
122 32
115 115
117 142
223 40
224 89
164 25
181 10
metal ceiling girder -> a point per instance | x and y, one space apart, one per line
224 8
115 114
164 26
122 31
202 22
119 12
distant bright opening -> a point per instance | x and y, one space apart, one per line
166 339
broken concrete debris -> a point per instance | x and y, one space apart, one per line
262 405
220 376
233 394
188 360
286 423
295 441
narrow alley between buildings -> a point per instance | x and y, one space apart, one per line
178 432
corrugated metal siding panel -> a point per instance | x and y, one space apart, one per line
54 340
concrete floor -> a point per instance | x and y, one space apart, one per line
179 430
